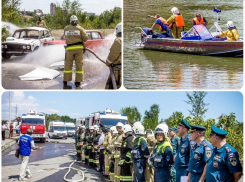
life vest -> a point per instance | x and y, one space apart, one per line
179 20
198 22
163 21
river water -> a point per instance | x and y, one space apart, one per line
145 69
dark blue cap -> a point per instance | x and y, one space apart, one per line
174 129
184 124
197 128
218 131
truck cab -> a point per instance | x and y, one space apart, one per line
57 129
36 122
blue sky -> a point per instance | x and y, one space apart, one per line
90 6
80 104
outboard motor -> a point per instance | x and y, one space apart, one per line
147 31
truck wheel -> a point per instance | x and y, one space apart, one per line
43 140
36 48
66 138
6 56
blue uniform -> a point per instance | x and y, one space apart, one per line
164 27
200 155
138 154
162 158
183 157
175 144
26 142
223 162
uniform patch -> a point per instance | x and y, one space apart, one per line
179 142
72 32
233 161
189 138
208 153
183 145
182 150
231 155
204 144
227 149
217 158
167 158
215 164
195 156
208 148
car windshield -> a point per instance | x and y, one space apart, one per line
26 34
70 128
203 32
112 122
32 121
60 128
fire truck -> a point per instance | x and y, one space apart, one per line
35 121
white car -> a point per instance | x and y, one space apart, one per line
25 40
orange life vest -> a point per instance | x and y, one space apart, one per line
198 22
179 21
163 21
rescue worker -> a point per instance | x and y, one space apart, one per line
75 137
96 150
200 154
182 156
75 38
231 34
106 142
117 146
111 152
151 141
176 23
139 153
174 141
90 146
85 145
125 157
162 156
162 24
114 58
78 143
40 22
81 143
199 20
224 164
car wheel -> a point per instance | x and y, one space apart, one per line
6 56
36 48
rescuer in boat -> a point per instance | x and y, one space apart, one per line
114 58
199 19
162 24
40 23
176 23
75 39
232 33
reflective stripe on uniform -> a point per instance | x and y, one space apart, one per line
74 47
79 72
78 151
107 167
96 161
91 160
108 61
117 176
69 71
126 178
88 147
116 156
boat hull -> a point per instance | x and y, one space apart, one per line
209 48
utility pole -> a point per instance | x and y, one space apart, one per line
16 108
9 108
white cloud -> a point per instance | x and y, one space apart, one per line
52 110
74 114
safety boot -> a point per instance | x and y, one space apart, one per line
77 84
65 86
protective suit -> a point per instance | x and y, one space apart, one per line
96 151
111 151
106 142
231 34
90 138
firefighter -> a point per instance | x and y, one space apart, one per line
151 141
114 58
125 157
111 149
139 153
231 34
85 145
75 137
106 142
162 156
40 22
78 143
81 142
117 146
75 38
96 150
90 145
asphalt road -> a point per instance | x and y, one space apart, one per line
45 161
95 72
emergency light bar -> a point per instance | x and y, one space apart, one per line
217 10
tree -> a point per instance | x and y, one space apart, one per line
174 119
67 119
196 99
150 120
132 113
51 117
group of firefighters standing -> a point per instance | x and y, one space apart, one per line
131 153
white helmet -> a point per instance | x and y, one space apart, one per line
149 131
137 123
229 24
162 128
113 129
139 129
91 127
96 128
175 10
119 28
120 124
83 127
73 18
127 128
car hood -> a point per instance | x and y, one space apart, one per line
20 41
